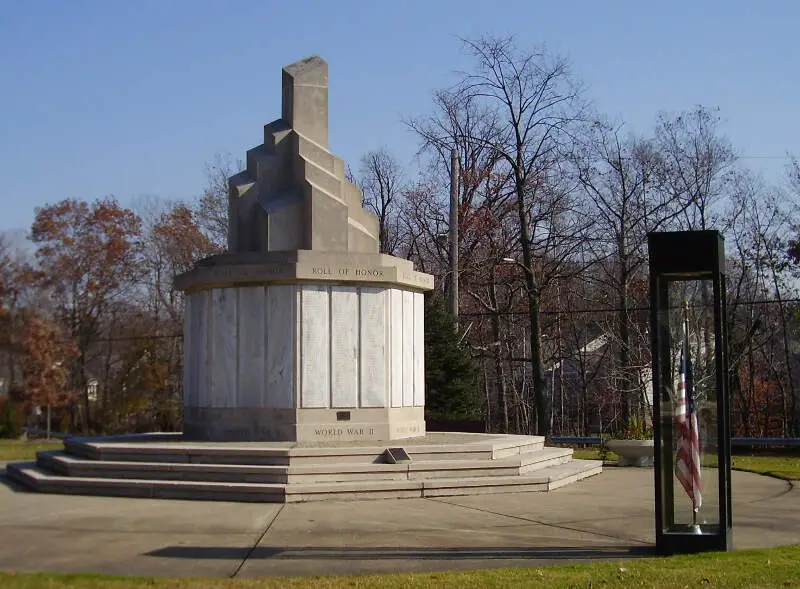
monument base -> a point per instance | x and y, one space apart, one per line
168 466
304 362
214 424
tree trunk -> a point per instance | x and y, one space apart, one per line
791 411
85 394
487 396
532 288
751 387
499 372
623 327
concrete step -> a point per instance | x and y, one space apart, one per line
176 452
548 478
78 466
170 448
571 472
38 479
499 446
354 490
72 466
168 466
427 469
521 447
482 449
510 466
536 459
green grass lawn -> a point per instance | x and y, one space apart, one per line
593 454
776 567
783 467
25 449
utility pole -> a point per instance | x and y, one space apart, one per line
455 172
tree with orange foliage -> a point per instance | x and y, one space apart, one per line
175 243
8 416
88 258
15 280
4 288
152 367
44 366
180 239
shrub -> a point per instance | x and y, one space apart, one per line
9 419
637 429
451 392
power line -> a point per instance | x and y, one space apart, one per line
763 157
618 309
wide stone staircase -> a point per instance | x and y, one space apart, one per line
165 466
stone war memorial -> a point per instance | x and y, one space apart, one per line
304 370
303 331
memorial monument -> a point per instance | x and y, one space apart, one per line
304 357
302 331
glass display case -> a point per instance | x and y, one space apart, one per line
690 391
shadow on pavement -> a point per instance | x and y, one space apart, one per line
392 553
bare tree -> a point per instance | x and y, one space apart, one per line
493 287
696 164
460 122
536 102
488 235
760 363
212 209
618 177
761 334
381 181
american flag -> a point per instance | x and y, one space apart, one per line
687 463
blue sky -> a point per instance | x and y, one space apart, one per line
131 98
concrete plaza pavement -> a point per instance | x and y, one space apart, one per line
603 517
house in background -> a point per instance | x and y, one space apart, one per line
92 386
583 386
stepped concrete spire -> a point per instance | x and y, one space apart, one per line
293 194
305 98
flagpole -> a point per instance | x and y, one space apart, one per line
694 528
